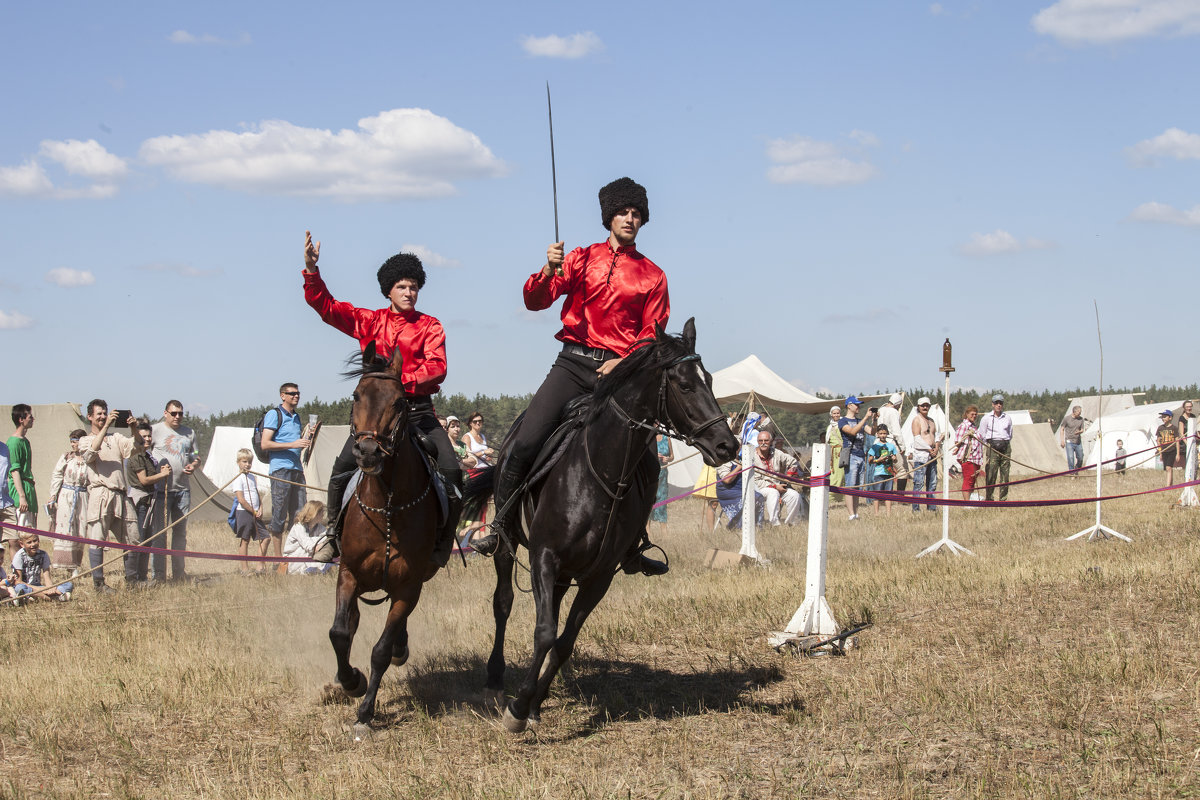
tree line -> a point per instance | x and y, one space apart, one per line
799 429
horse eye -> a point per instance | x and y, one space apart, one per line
354 397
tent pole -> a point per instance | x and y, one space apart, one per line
1188 498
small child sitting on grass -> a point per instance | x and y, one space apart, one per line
303 538
10 591
29 566
248 526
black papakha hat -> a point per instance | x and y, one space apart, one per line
398 267
620 194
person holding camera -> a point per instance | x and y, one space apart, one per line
110 511
854 439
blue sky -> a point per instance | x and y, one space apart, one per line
835 187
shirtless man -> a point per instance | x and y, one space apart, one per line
925 452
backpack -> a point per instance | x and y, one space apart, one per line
233 516
256 437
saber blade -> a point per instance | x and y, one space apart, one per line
553 173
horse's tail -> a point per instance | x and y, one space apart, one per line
477 490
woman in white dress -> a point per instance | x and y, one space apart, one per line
68 504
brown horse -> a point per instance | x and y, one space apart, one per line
389 529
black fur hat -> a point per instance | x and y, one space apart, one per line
622 193
398 267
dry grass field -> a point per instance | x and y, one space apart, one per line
1041 668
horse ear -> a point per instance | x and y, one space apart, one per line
397 361
658 330
368 355
689 334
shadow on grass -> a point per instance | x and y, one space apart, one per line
615 690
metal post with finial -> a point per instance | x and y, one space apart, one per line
947 438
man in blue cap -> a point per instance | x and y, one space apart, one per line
854 440
1168 445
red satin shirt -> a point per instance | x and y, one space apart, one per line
419 336
614 297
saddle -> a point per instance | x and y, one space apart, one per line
428 451
575 414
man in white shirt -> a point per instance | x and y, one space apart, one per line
996 432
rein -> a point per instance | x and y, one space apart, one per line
388 447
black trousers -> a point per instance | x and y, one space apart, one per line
571 376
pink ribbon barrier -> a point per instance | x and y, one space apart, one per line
141 548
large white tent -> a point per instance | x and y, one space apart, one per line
1135 427
221 464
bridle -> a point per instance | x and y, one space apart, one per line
661 413
387 444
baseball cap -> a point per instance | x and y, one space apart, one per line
895 398
997 398
924 401
451 418
1166 414
854 400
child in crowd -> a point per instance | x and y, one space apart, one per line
248 526
29 566
10 590
303 538
1119 464
882 456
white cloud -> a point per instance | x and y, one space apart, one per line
183 37
88 160
1001 241
1171 143
936 9
429 257
1161 212
1103 21
577 45
182 270
14 320
799 159
402 153
70 278
27 180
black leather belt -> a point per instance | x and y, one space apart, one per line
594 353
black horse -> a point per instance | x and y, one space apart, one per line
581 520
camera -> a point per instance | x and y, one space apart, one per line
872 410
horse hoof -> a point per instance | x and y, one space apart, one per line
400 660
511 723
361 732
359 688
494 700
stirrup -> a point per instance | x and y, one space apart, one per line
487 545
641 563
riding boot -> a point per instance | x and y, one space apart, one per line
453 481
636 560
330 545
512 474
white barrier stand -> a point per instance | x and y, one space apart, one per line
749 506
1098 531
1188 498
814 617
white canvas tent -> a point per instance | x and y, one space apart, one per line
221 464
1035 450
1095 406
1135 426
49 438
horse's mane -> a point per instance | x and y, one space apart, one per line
656 355
355 368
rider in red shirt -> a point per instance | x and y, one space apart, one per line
422 343
614 296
